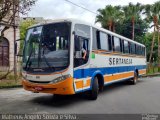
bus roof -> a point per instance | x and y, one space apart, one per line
85 23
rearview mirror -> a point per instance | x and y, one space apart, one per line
16 51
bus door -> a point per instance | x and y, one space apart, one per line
81 49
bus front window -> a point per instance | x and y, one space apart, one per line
47 48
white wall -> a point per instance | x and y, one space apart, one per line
9 34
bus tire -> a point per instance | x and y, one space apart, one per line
93 94
134 79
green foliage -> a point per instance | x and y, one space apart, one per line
23 29
109 16
24 26
125 29
133 21
152 70
132 11
147 39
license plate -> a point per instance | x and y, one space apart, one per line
38 88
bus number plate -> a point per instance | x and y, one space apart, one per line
38 88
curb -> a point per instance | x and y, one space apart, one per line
151 75
8 87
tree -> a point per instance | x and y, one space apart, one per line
9 14
157 7
109 16
152 13
147 41
10 9
132 13
125 29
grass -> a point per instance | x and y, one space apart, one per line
9 81
152 70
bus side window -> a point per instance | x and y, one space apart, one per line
117 46
126 47
137 49
104 41
121 46
133 48
110 42
98 39
129 47
144 51
94 35
122 42
140 50
113 48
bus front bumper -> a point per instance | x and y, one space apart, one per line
64 88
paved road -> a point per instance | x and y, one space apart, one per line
118 98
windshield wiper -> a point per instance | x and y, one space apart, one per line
53 68
29 59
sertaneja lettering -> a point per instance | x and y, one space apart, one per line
119 61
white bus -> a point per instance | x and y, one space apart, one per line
68 56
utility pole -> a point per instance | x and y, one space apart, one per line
14 28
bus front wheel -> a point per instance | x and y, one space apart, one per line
93 94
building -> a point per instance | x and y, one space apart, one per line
36 19
7 44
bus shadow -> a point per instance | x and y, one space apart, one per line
60 101
119 85
67 100
115 86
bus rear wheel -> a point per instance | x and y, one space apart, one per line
93 94
134 79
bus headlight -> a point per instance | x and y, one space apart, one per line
61 78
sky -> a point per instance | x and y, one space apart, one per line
54 9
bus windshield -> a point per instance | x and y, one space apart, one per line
47 48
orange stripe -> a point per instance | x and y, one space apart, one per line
118 76
80 84
88 83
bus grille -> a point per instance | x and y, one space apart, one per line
42 82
